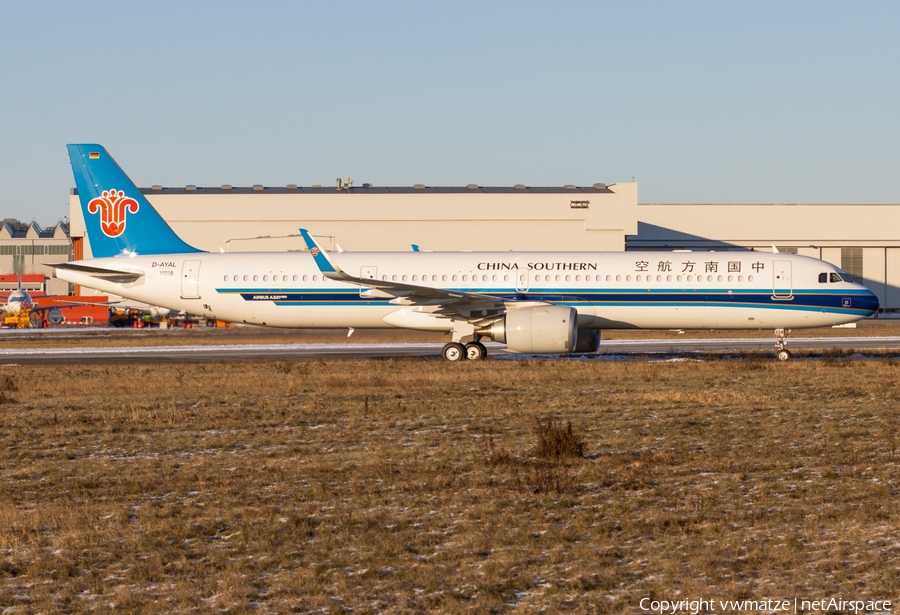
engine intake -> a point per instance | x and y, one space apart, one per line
539 329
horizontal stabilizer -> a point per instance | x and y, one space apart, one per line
109 275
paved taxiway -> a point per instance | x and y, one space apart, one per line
282 352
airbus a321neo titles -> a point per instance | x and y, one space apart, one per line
534 302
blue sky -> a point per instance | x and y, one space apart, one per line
787 102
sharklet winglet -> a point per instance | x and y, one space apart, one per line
325 264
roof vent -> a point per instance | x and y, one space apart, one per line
519 186
155 187
600 186
191 188
569 187
226 187
367 185
257 188
419 186
317 185
472 186
292 186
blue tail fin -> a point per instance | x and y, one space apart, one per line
118 218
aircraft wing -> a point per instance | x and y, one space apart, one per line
71 304
473 306
109 275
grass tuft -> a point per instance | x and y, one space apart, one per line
556 441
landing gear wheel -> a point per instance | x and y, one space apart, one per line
783 355
475 351
453 352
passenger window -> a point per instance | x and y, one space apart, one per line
740 278
568 277
256 278
627 278
506 278
295 278
305 278
638 278
265 278
315 278
749 278
443 278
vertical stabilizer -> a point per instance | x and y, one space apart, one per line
118 218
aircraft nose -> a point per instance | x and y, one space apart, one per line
875 303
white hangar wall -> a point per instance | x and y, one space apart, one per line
386 219
861 239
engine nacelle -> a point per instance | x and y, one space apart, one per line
587 340
541 329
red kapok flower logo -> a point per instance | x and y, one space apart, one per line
112 205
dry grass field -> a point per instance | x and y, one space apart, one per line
411 486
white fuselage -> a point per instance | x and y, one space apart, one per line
653 290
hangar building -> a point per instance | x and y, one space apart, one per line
27 252
857 238
367 218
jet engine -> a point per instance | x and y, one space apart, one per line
541 329
55 316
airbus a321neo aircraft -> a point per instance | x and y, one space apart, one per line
534 302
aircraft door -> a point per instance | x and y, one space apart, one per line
190 280
370 273
782 287
523 280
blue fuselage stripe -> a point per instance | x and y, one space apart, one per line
847 301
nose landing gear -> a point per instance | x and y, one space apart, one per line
781 352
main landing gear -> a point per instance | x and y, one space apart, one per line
473 351
782 353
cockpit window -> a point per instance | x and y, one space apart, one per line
847 278
823 278
835 277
